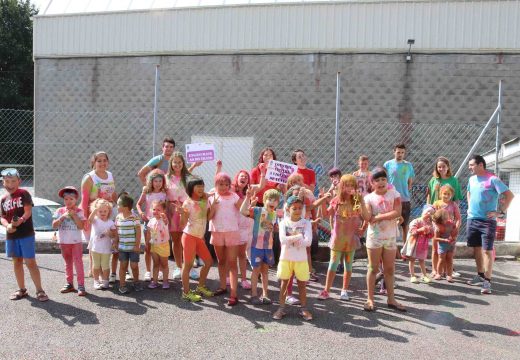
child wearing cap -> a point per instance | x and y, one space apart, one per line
295 236
69 220
16 209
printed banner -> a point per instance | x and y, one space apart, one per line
200 152
279 172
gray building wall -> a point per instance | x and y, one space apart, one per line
285 101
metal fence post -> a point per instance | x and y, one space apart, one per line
497 147
156 96
336 138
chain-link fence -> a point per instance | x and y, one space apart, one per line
64 142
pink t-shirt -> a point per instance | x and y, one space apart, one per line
150 198
226 215
197 217
344 229
159 231
382 204
68 232
175 190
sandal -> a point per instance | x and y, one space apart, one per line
305 314
398 307
18 294
42 296
219 292
279 314
369 306
232 301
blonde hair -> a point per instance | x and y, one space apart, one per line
293 178
344 181
99 203
156 173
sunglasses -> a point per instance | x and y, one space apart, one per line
10 173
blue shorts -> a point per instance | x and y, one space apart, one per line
481 233
444 247
129 256
259 256
21 248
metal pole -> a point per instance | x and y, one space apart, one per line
477 142
336 138
497 146
156 96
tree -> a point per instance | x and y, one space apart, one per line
16 64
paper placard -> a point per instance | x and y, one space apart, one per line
200 152
279 172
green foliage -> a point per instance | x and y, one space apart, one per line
16 64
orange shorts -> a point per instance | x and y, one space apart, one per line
191 246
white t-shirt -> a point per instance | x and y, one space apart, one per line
197 217
68 232
294 238
100 240
382 204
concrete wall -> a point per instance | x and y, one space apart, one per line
88 104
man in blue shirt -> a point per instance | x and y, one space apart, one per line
401 175
160 161
484 189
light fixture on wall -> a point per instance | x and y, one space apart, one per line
409 55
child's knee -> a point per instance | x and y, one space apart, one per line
134 265
31 263
371 269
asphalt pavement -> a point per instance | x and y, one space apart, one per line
446 321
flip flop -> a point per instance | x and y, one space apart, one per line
42 296
18 294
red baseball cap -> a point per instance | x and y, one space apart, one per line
69 189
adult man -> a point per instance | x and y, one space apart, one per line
401 175
160 161
484 189
16 208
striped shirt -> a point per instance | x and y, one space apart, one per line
126 230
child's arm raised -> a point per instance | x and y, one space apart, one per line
261 184
218 167
92 215
246 204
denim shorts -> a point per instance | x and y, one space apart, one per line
128 256
481 233
259 256
21 248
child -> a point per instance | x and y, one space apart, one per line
159 241
347 211
384 206
446 194
194 217
16 217
445 237
261 253
103 230
69 220
155 190
177 178
334 176
225 236
295 237
240 184
363 176
128 243
417 244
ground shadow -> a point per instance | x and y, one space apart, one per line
68 314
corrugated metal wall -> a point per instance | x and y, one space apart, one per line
385 26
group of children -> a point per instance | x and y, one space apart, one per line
177 206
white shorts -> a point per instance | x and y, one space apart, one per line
375 243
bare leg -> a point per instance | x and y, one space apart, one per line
479 258
422 265
388 269
374 256
302 291
115 260
449 263
242 261
441 268
488 263
18 272
347 275
147 251
208 263
265 280
177 248
123 268
254 280
157 263
165 269
35 273
283 292
411 266
231 261
221 258
135 271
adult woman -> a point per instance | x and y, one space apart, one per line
267 154
441 176
98 184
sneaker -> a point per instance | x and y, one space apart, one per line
153 285
165 285
138 286
324 295
486 287
344 295
291 300
279 314
195 263
160 276
203 291
200 262
191 297
476 281
124 290
414 280
425 279
177 274
104 285
97 285
245 284
147 276
194 275
129 277
67 288
81 290
313 277
112 278
456 274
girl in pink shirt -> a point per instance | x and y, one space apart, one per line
225 234
155 190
